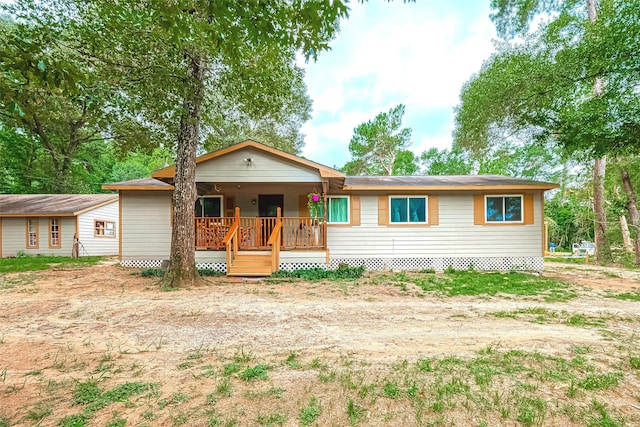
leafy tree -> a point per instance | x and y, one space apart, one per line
446 162
377 144
57 102
561 85
173 53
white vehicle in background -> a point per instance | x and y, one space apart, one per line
584 248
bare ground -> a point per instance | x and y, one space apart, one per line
64 326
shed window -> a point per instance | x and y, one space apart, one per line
32 233
104 228
408 209
338 209
54 233
503 208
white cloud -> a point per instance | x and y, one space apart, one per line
418 54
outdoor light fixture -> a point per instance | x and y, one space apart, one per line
253 201
248 160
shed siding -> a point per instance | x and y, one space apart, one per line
455 236
14 237
262 168
91 245
146 224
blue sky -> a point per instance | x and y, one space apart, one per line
389 53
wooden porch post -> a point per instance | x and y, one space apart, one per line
324 219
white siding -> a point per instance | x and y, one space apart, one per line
456 236
263 167
92 245
146 224
14 237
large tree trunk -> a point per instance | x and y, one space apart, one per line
632 207
182 270
603 250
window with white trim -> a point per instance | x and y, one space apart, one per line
208 206
32 233
408 209
104 228
338 209
503 208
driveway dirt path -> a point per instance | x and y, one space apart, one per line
73 317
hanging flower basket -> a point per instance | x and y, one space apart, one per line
315 204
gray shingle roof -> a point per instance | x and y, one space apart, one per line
444 182
51 204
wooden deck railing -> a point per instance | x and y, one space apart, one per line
274 242
254 232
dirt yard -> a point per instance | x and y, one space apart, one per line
106 323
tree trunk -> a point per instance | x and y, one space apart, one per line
603 250
182 271
632 207
626 236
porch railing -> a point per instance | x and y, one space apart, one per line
254 232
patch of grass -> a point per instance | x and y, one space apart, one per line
231 368
627 296
601 381
86 392
39 412
473 283
159 272
37 263
292 361
355 412
258 372
316 274
272 419
116 422
391 390
309 413
4 421
531 411
634 362
224 388
185 365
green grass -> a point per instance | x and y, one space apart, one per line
310 413
473 283
258 372
36 263
316 274
627 296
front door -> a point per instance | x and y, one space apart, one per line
268 205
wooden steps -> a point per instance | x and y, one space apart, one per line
248 264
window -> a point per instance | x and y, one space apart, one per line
54 233
209 206
32 233
338 209
503 208
104 228
406 209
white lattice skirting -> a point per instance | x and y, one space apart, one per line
437 264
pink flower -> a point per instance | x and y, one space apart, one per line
315 198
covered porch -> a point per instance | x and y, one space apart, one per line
254 232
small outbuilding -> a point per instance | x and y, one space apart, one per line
59 224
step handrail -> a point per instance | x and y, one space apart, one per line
274 242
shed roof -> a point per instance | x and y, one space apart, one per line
52 204
445 182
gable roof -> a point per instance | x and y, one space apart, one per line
324 171
444 182
52 204
139 184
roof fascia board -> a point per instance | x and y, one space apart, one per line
446 188
96 206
